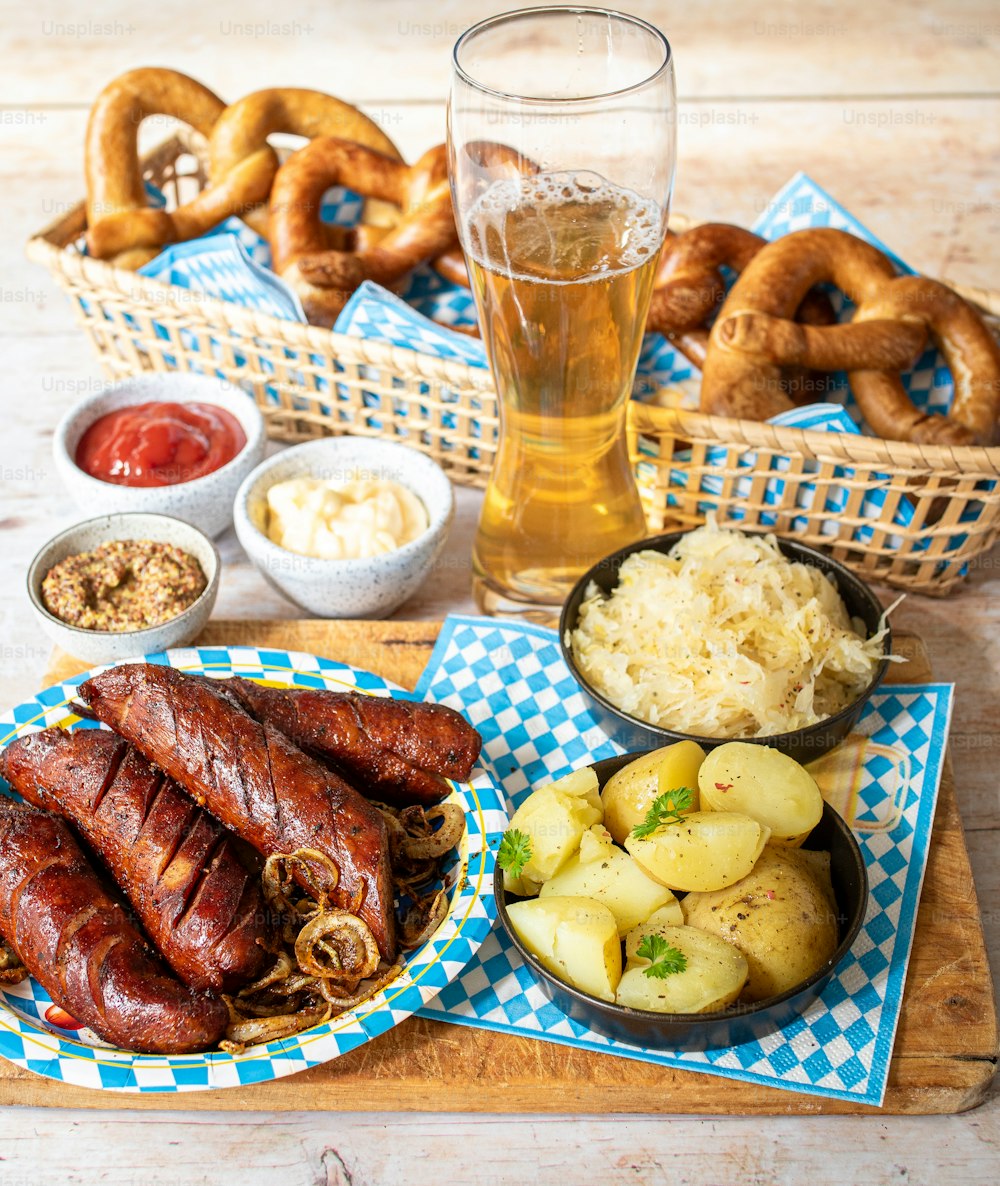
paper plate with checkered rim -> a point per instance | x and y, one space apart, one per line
31 1041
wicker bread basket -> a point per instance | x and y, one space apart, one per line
310 382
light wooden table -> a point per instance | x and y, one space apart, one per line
893 106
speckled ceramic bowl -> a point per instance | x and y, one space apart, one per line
207 502
100 646
369 588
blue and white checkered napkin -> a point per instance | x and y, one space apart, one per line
509 679
233 262
226 265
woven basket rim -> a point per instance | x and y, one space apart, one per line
51 248
966 461
294 334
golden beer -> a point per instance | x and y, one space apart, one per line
562 267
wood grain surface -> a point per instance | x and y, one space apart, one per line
946 1044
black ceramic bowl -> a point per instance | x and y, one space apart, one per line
804 745
739 1023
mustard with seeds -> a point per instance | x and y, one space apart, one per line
125 584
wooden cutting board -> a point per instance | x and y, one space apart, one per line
946 1046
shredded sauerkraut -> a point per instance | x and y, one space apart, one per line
724 637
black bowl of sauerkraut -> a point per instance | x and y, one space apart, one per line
717 635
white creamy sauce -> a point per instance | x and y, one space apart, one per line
343 520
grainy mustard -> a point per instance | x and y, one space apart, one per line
123 585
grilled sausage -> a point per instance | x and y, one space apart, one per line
180 870
79 944
397 751
252 778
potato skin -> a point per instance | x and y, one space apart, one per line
628 795
713 978
707 850
781 916
764 783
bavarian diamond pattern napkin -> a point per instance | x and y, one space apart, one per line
823 417
510 680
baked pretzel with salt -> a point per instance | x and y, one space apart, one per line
325 278
753 337
122 227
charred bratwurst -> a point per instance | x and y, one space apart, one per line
79 944
396 751
250 776
178 867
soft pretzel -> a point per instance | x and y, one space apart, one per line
752 339
121 226
689 287
969 349
324 278
240 136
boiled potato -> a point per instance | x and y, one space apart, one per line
596 844
782 917
580 784
554 818
670 915
659 922
763 783
600 870
575 938
629 794
707 850
714 977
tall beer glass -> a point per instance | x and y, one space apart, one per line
561 140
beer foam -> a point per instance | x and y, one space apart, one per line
581 187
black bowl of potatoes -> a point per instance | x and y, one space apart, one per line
717 635
680 900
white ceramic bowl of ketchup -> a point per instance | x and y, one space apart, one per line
206 502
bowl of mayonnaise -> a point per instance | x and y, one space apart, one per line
345 527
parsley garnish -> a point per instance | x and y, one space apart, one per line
664 959
667 808
514 852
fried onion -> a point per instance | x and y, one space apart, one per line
336 945
329 961
422 919
433 845
283 968
12 971
278 879
366 989
241 1034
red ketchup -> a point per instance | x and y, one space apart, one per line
159 444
